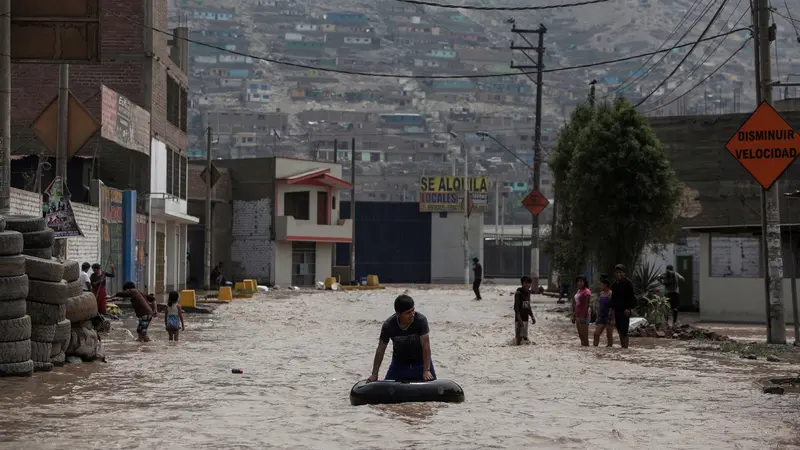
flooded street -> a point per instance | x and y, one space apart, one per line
301 354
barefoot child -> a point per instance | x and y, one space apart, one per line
605 315
522 311
581 316
174 317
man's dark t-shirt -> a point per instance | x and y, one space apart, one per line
478 270
522 305
622 295
406 343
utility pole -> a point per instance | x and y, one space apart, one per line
5 107
466 215
62 153
207 246
353 209
592 92
335 151
496 210
770 206
537 137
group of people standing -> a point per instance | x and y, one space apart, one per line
144 305
616 301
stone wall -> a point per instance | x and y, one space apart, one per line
24 203
252 247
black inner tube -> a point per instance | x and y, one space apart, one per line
387 392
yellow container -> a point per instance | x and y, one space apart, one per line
372 280
250 285
329 282
239 286
188 299
225 294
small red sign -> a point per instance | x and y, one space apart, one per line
535 202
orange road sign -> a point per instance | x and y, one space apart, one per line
535 202
765 145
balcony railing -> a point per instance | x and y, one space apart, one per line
287 228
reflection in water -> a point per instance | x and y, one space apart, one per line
301 354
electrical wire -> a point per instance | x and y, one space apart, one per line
422 77
707 55
691 27
708 27
704 79
644 64
503 8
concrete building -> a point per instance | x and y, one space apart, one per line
279 224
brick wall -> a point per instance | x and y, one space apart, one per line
87 247
252 250
24 203
197 187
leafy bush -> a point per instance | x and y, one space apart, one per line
645 279
654 308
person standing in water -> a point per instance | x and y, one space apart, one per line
605 316
581 316
173 319
671 280
411 354
522 311
623 302
477 270
98 280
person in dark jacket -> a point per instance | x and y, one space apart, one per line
523 311
623 301
477 270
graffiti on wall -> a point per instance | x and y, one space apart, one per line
111 234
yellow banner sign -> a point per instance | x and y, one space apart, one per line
453 184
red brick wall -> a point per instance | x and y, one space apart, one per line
197 188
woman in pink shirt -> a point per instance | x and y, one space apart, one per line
581 316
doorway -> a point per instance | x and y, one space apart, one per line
322 208
686 269
161 261
304 263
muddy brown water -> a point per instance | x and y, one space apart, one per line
302 353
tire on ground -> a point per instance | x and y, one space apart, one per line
40 351
74 289
62 330
43 269
83 343
15 329
19 369
81 308
10 243
13 288
43 333
14 352
39 366
72 270
59 359
39 239
12 266
43 313
53 293
13 309
43 253
56 348
25 224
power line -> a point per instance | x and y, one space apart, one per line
674 30
708 27
647 73
707 55
704 79
503 8
390 75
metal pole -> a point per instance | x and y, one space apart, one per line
496 209
5 108
208 218
771 209
502 218
763 199
466 215
335 151
537 155
793 278
353 209
63 125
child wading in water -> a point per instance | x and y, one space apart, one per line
605 315
523 311
581 317
174 317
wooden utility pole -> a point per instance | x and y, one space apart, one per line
353 210
772 257
207 239
537 133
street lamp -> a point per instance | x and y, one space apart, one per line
465 239
795 312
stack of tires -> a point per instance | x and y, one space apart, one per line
64 326
15 325
83 342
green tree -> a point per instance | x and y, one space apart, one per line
621 190
567 250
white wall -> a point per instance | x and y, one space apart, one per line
447 251
24 203
252 251
158 167
87 247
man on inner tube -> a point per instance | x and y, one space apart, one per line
411 354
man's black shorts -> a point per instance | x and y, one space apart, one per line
622 323
674 299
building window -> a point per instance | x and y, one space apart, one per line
177 166
184 168
297 205
170 171
177 104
